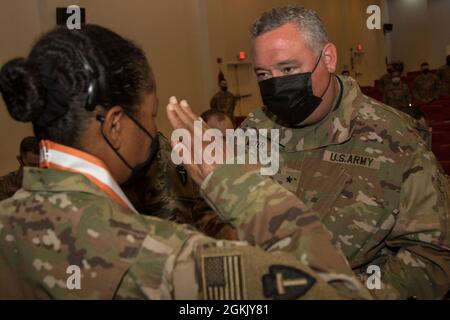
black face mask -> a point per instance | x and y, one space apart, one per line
291 98
142 168
224 88
425 70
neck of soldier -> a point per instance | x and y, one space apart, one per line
326 105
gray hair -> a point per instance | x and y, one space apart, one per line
307 21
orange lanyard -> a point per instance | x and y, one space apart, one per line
57 156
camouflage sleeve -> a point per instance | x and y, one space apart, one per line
292 254
271 217
418 264
225 270
188 265
208 222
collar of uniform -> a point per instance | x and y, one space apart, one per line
336 128
53 180
67 159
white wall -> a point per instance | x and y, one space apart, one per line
19 26
421 31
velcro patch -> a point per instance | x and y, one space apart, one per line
223 277
286 283
351 159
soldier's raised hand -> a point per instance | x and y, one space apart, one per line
182 117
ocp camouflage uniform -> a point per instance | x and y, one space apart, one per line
374 185
397 95
224 101
424 129
426 87
384 81
444 76
10 183
169 193
60 222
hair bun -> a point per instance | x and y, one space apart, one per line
21 91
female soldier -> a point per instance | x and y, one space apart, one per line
72 233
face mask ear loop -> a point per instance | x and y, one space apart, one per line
328 86
139 125
317 63
101 120
329 78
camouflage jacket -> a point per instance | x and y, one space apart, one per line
10 183
444 76
397 96
384 81
167 192
426 87
224 101
62 237
374 185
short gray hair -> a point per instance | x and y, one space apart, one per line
307 21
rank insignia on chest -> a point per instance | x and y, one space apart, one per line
288 178
351 159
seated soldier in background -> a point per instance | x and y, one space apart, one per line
421 123
396 93
426 87
386 78
218 120
166 191
444 77
29 157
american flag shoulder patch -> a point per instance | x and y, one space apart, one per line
223 277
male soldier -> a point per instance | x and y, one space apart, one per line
167 192
359 164
29 157
396 93
426 87
224 100
218 120
386 78
444 76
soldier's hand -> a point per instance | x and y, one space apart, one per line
181 116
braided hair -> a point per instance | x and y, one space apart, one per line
52 87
